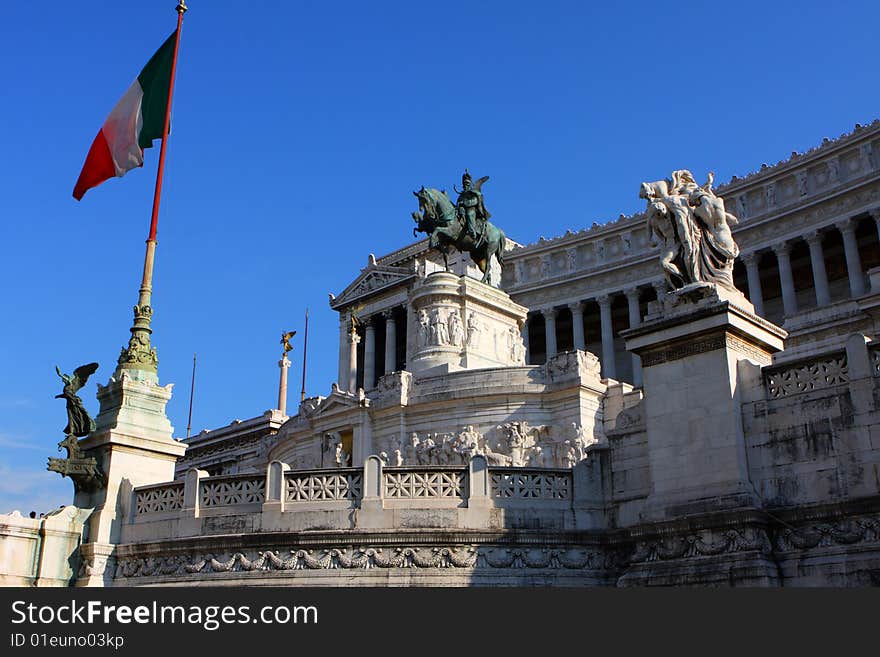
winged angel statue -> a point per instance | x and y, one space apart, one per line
79 423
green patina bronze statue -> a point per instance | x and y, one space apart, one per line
464 225
79 423
83 469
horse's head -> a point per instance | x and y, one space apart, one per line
427 217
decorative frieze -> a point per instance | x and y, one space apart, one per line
704 543
453 557
850 531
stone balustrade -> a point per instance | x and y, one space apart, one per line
530 484
290 491
827 371
160 498
232 490
344 484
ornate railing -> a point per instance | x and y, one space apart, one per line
528 484
159 498
424 483
231 490
324 485
824 372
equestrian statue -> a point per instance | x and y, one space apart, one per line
464 224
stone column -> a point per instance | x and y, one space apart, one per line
284 364
526 344
659 287
635 319
756 296
550 331
789 300
353 340
853 262
577 324
369 354
817 259
875 214
609 371
344 330
390 342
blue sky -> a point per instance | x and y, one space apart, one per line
299 131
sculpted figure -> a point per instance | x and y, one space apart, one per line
411 450
464 225
694 228
439 331
456 331
425 451
79 423
424 328
473 330
471 209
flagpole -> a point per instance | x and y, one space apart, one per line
140 355
305 351
192 389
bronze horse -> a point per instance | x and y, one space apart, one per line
439 219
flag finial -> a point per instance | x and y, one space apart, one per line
181 7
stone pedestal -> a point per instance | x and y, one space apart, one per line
133 445
461 323
690 345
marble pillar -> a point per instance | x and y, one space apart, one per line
847 228
390 342
577 323
369 354
609 370
756 295
817 260
789 300
550 331
635 319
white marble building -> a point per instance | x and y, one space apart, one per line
570 428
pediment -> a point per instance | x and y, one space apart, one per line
374 278
338 400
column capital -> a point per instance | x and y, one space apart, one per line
284 363
846 225
659 286
814 237
781 249
388 314
549 313
632 292
369 323
750 259
576 307
875 214
354 338
604 300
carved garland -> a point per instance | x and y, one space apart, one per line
454 557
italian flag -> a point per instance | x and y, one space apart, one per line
134 123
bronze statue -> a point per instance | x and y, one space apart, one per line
464 225
471 209
285 341
79 423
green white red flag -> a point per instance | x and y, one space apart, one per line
134 123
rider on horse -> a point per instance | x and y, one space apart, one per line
471 209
